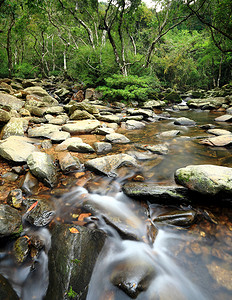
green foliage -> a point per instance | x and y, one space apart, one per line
3 64
129 88
25 70
71 293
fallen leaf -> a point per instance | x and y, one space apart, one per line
83 216
32 206
74 230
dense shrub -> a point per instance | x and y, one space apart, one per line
130 88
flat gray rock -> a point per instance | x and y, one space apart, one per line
59 136
219 132
109 118
107 165
42 167
81 127
43 131
16 149
224 118
218 141
205 179
147 113
116 138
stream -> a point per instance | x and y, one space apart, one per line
189 263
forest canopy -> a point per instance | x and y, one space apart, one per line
177 43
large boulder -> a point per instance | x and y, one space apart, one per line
16 149
107 165
205 179
81 127
11 101
81 115
41 166
10 221
224 118
71 263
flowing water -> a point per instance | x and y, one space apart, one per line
182 263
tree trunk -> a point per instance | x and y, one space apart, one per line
8 46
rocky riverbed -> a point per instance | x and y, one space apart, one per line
61 149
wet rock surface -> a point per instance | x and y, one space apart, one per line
40 213
71 265
153 192
6 290
10 221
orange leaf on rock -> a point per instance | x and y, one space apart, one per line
32 206
83 216
74 230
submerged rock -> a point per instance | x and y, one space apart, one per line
71 263
10 221
205 179
6 290
41 166
133 275
177 218
157 149
221 275
108 165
